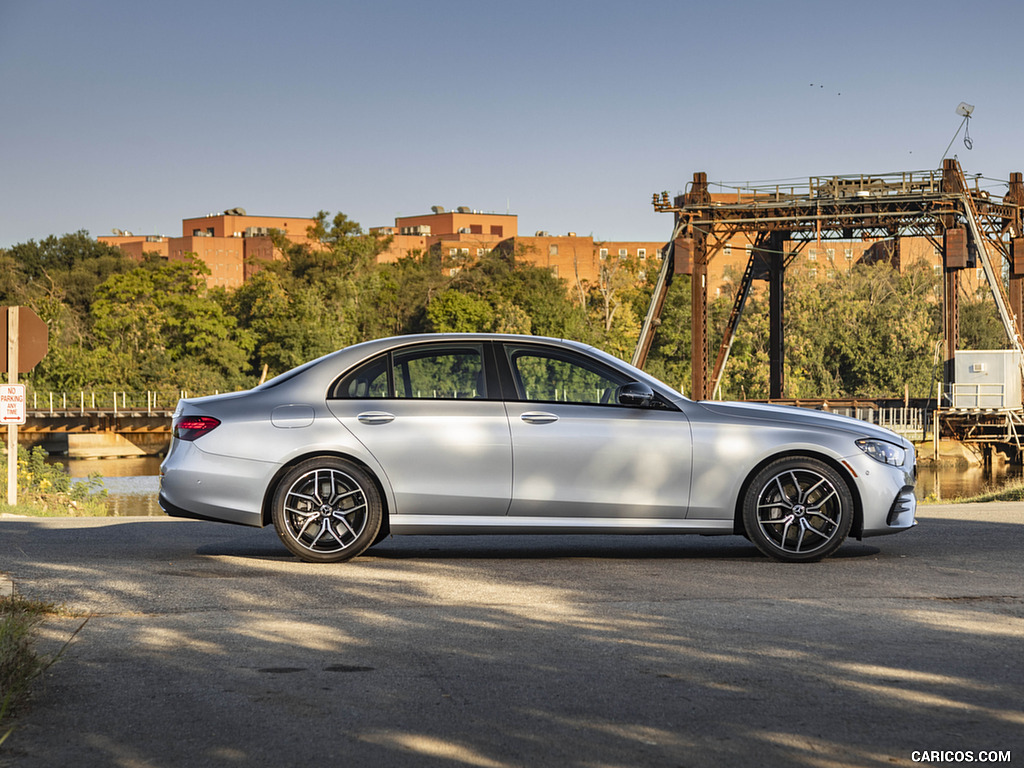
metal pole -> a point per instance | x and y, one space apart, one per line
12 429
776 322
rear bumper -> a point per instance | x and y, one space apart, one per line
204 486
172 511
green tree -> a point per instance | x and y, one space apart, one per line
315 299
71 266
160 324
396 295
289 322
455 312
669 355
522 298
57 277
980 327
880 332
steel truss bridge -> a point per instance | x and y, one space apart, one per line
963 223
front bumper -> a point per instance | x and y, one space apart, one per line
888 503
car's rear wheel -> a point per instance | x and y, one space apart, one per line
798 509
327 510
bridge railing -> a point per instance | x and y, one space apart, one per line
913 418
92 401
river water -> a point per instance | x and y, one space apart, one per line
132 484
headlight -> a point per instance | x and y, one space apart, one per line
879 450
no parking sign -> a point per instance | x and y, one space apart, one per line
12 403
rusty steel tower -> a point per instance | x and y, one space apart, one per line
964 224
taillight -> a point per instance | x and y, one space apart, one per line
191 427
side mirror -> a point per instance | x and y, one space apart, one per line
634 393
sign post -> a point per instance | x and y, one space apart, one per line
12 413
13 316
27 341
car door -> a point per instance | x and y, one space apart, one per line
426 414
579 453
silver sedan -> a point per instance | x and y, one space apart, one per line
489 433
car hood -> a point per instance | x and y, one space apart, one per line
791 415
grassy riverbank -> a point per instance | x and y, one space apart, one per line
1012 492
46 490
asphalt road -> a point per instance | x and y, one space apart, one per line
208 645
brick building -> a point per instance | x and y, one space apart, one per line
462 232
233 243
134 246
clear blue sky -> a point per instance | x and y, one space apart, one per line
570 114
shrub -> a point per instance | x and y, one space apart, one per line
47 489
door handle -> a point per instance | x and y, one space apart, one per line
538 417
375 417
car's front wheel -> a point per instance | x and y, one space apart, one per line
798 509
327 510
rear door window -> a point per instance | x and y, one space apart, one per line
434 372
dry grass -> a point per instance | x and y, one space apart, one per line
20 665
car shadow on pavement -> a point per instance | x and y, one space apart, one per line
596 547
264 545
531 548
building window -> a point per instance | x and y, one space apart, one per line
623 253
749 249
728 249
812 255
848 253
453 251
641 253
554 270
831 253
479 251
659 255
465 251
496 230
603 253
552 250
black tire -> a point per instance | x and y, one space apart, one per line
798 510
383 533
327 510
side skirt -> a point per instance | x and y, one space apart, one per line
451 524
